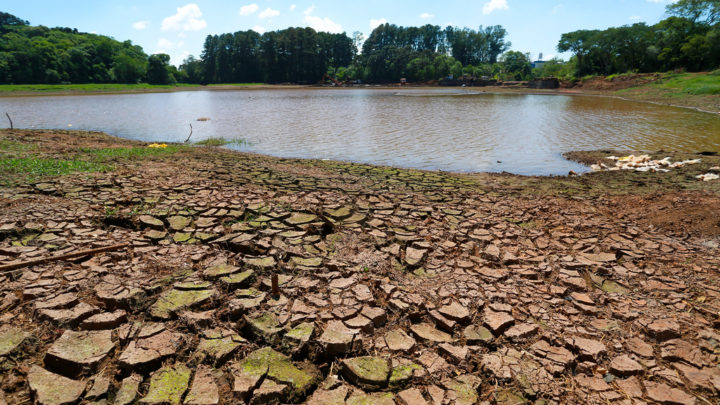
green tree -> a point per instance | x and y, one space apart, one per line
158 71
704 11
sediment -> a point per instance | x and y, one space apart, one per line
395 286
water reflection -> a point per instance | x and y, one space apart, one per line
453 130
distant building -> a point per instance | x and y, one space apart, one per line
538 64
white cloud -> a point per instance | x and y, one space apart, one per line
164 43
426 16
635 18
292 7
309 10
259 29
187 18
493 5
374 23
558 8
140 25
268 13
323 24
249 9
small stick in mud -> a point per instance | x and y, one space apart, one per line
11 124
188 138
18 265
275 286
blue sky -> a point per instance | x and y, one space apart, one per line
180 27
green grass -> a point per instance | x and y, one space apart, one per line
682 84
222 142
13 147
104 87
32 169
114 154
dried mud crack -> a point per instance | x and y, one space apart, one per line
395 286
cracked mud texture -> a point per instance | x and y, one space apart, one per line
395 286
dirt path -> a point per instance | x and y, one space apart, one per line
395 286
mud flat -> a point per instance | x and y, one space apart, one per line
393 286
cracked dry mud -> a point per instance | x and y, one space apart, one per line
396 286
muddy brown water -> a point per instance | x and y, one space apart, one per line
436 129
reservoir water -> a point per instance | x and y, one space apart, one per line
436 129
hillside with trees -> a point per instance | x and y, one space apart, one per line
42 55
688 39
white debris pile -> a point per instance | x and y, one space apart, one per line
642 163
708 177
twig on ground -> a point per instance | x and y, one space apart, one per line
188 138
9 119
18 265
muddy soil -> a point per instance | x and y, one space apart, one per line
392 285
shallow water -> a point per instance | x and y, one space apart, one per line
451 130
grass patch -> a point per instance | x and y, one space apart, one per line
682 84
223 142
32 169
13 147
110 154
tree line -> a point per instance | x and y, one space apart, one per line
688 39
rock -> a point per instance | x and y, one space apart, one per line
68 317
53 389
677 349
411 396
428 332
361 398
337 338
220 270
66 300
664 394
588 348
244 382
269 392
640 348
497 322
179 222
375 314
238 280
476 334
398 340
147 353
100 387
329 397
204 390
106 320
128 391
300 334
264 326
218 350
624 366
299 218
521 331
151 222
173 301
168 385
414 257
367 372
262 263
456 312
12 340
463 389
458 353
279 368
403 374
664 329
76 352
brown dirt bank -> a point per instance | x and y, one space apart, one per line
395 286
